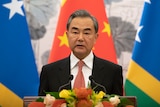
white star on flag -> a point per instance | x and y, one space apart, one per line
137 35
148 1
15 7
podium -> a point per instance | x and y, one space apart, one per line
28 99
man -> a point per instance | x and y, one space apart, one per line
82 33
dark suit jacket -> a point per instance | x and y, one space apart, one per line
106 73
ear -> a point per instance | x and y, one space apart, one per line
96 37
67 33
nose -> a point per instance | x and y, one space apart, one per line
80 37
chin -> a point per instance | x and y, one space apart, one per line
80 54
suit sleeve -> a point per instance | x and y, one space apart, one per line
43 82
118 81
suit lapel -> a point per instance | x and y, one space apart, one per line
64 72
97 71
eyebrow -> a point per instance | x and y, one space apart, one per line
75 28
87 29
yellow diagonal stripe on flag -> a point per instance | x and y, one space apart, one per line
8 98
144 81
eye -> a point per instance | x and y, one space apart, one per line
87 33
75 32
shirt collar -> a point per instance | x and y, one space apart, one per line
88 60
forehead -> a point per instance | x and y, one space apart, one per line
82 23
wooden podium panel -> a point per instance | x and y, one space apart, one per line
131 98
28 99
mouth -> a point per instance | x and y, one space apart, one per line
79 46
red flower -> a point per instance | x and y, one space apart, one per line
36 104
83 93
58 102
84 103
107 104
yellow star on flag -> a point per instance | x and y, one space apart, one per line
107 29
63 2
63 40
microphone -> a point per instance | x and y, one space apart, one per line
92 80
67 84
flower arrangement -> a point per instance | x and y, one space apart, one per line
82 97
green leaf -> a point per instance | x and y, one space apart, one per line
124 102
55 94
40 99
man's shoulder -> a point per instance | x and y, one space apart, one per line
104 61
58 62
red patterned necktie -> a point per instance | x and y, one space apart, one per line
79 81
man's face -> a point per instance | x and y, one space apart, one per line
81 36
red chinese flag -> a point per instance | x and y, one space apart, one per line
104 47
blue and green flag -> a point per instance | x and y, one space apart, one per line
143 78
18 71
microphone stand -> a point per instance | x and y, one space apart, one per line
92 80
70 79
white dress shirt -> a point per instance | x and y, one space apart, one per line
86 69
